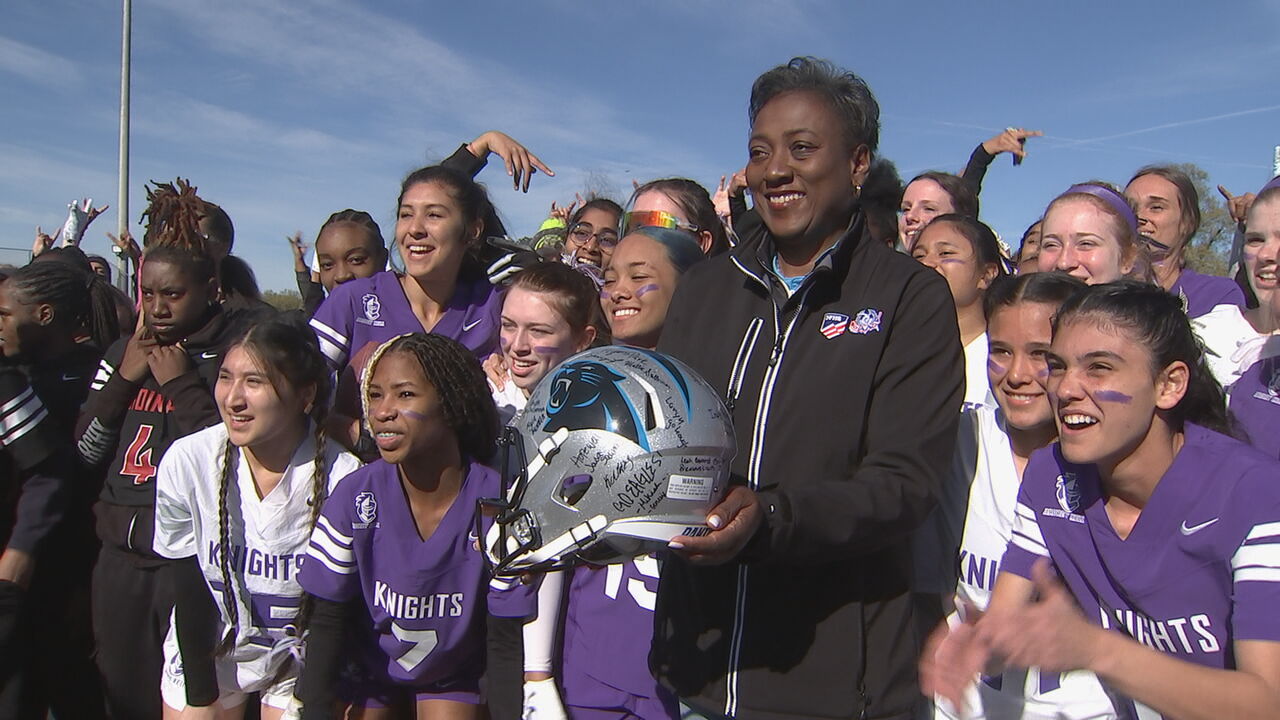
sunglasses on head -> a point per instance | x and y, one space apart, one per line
655 218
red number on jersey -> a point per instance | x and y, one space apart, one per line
137 462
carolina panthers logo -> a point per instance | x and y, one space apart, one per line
366 507
1068 492
586 396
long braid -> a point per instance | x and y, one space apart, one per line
319 493
224 538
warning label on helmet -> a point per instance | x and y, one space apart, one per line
689 487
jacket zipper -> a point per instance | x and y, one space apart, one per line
753 473
740 363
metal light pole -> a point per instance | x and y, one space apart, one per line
122 199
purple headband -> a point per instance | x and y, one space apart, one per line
1275 183
1110 197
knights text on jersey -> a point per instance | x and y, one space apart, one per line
1199 570
267 539
426 598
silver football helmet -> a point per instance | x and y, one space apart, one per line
618 451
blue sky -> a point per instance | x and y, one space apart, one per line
284 111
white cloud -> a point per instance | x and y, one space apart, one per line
38 66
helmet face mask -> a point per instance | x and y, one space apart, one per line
618 451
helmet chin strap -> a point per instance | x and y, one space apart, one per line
578 536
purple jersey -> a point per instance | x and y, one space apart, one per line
1255 403
360 315
607 634
426 598
1200 569
1202 293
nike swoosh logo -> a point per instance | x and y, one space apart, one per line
208 355
473 323
1196 528
69 378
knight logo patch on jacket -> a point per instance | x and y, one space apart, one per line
866 321
834 324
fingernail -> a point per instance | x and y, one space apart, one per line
715 522
675 545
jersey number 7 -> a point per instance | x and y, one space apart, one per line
421 643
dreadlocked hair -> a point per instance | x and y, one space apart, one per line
459 382
173 216
289 353
81 300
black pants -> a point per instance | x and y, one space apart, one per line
47 664
131 606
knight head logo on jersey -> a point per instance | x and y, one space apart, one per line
372 310
366 508
1068 492
585 396
866 321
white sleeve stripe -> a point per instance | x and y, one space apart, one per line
1265 555
1025 511
1029 545
343 540
1264 530
1257 573
336 355
336 553
14 424
18 401
320 557
326 332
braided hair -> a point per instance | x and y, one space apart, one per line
458 381
81 300
290 354
361 219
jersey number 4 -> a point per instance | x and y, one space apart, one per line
420 642
137 460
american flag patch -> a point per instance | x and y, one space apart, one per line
834 324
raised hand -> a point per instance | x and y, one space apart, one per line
127 246
1012 140
521 164
42 242
1237 205
299 249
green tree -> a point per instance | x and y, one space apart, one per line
283 300
1207 252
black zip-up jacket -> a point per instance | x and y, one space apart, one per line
127 427
845 398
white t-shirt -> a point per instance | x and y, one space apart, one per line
977 388
510 400
988 525
268 539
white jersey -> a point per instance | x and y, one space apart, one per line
988 525
977 387
268 539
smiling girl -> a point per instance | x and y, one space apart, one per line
242 537
548 314
929 195
442 215
641 279
393 560
1091 232
1123 559
994 449
966 253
